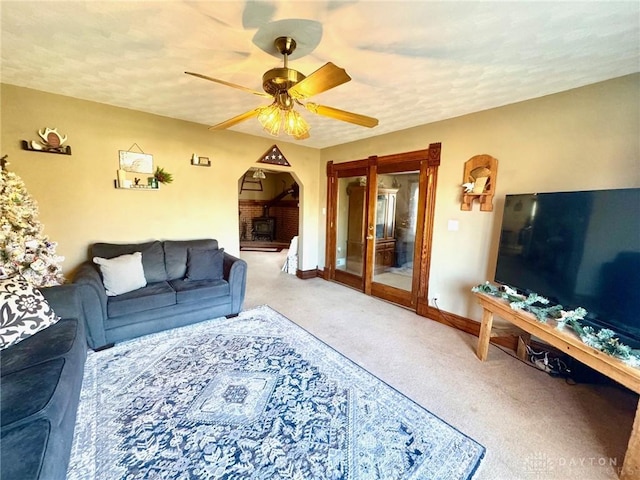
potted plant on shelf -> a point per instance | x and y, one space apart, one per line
162 176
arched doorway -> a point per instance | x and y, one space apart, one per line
268 209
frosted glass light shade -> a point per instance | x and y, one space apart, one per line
295 125
273 118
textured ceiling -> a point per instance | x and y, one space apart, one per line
411 63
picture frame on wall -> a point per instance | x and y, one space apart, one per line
136 162
200 161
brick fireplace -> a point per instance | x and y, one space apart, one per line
285 215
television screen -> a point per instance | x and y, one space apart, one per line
578 249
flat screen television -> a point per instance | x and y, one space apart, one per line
578 249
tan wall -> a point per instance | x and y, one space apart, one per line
582 139
79 204
585 138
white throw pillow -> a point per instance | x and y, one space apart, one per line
23 311
121 274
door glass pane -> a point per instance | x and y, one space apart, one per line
395 247
350 225
381 213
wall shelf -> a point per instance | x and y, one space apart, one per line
134 187
482 170
62 150
484 199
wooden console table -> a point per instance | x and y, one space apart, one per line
569 343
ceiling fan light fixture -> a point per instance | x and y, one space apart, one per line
295 125
270 118
286 87
275 118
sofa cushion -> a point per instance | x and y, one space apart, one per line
27 392
121 274
57 340
152 256
155 295
204 264
23 311
175 255
193 291
28 443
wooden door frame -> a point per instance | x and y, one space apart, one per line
355 168
426 162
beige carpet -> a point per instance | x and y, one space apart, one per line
534 426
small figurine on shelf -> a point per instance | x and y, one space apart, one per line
468 187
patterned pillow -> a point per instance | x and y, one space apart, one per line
23 311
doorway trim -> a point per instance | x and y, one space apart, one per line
426 162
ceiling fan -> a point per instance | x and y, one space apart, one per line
288 87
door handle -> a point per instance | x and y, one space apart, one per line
369 237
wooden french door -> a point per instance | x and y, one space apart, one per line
380 223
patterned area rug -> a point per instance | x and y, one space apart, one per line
253 397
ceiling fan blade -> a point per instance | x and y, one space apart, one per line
235 120
228 84
326 77
343 115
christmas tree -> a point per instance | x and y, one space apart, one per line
24 249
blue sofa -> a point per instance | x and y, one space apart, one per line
170 299
40 391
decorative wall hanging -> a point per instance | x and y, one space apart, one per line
51 142
275 157
133 163
136 162
200 161
479 182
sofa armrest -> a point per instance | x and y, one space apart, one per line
64 300
235 272
93 298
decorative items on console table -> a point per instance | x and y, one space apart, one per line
479 182
52 142
495 301
604 339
